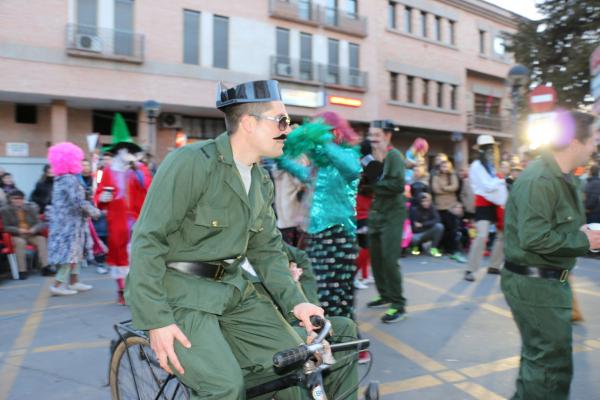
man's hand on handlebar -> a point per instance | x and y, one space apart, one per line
161 342
304 311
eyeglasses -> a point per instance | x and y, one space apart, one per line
283 121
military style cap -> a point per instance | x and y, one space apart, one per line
248 92
385 124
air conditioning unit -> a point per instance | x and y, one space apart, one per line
284 69
88 42
174 121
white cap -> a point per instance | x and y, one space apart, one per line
482 140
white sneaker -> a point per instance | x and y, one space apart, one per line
61 291
359 285
80 287
370 279
101 270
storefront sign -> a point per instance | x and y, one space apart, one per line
303 98
17 149
345 101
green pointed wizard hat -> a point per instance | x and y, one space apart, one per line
121 138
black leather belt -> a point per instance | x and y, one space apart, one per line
200 268
538 272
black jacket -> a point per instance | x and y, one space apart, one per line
428 217
42 194
592 196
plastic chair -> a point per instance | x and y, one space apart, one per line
8 250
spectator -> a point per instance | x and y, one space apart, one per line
420 183
445 188
515 171
86 174
466 195
289 193
414 156
7 184
426 225
592 196
68 219
42 194
21 220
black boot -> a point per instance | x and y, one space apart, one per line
23 275
48 270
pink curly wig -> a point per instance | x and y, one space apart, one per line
65 158
421 146
341 128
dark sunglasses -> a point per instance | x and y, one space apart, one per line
283 121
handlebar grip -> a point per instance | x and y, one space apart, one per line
289 357
317 321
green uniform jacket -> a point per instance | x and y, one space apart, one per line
197 210
542 218
389 192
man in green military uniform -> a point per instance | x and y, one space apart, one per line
544 233
386 221
207 215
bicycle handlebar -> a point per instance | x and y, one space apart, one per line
300 354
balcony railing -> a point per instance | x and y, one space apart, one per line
306 11
342 21
488 122
308 71
96 42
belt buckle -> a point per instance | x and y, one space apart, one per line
220 272
564 275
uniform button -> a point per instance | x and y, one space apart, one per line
238 257
215 223
260 229
221 158
569 218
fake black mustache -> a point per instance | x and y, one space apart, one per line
283 136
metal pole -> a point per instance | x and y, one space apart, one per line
152 134
515 124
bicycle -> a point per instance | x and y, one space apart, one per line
135 374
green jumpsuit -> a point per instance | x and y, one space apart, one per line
197 209
386 222
543 217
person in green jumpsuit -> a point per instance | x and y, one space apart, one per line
544 233
207 214
386 221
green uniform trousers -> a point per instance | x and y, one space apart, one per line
385 246
343 376
542 311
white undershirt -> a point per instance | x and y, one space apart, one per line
246 175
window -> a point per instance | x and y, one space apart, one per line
283 45
499 46
306 65
451 32
333 69
331 12
202 128
354 64
221 42
191 37
393 86
487 105
87 16
410 88
453 91
102 121
305 9
408 20
481 42
392 15
423 23
440 95
438 28
425 100
352 8
25 114
124 37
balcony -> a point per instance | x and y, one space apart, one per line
306 71
487 122
307 12
338 20
112 44
295 10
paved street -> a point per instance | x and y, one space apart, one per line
459 341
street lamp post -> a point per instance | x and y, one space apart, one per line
518 77
152 110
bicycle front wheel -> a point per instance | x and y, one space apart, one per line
136 375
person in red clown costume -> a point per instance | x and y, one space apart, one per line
121 192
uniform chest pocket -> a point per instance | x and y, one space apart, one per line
212 217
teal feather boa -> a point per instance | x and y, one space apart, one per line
309 139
